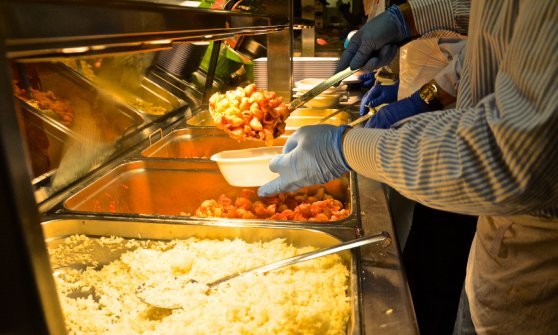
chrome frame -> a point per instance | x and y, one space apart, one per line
35 30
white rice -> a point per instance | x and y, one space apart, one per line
307 298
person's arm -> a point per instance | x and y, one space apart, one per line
444 85
426 15
496 158
376 43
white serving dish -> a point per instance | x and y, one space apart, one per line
247 167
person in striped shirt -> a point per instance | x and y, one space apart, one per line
493 155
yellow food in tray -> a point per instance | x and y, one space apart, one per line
307 298
148 107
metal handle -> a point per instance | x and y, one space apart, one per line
329 116
383 237
324 85
158 131
371 112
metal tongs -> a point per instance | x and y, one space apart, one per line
144 294
320 88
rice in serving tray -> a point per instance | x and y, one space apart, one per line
306 298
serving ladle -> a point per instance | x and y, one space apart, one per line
147 293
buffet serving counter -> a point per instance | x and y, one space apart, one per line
106 158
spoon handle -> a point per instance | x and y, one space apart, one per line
324 85
382 237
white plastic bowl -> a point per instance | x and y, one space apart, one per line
247 167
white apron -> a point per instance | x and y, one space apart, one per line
512 276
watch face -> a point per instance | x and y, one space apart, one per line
428 93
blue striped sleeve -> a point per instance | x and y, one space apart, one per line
495 155
432 15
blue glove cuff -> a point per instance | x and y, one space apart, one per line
421 105
404 28
339 145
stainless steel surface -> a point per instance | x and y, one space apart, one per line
308 42
316 90
279 64
386 300
198 143
112 27
154 94
382 238
113 119
98 121
139 92
172 188
55 231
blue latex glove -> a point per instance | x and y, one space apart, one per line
312 155
375 44
367 79
398 111
377 95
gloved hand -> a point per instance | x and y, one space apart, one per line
367 79
375 44
397 111
312 155
377 95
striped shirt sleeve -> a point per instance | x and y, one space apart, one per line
432 15
496 157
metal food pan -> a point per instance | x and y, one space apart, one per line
94 109
147 97
99 254
199 143
171 187
152 99
298 118
45 141
201 119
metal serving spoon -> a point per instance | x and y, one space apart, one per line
145 295
311 93
371 112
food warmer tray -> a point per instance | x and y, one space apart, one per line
113 119
148 98
198 142
56 230
173 187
